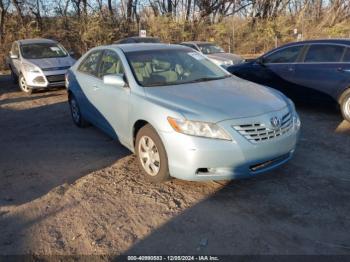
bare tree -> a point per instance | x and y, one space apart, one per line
4 5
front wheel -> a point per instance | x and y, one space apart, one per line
345 106
23 85
151 155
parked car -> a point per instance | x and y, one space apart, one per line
313 70
215 53
38 63
138 40
182 115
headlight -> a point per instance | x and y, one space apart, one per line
31 68
195 128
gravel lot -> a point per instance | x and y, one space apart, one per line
65 190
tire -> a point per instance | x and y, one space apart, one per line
23 85
14 76
151 155
77 117
345 105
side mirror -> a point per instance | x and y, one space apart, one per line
260 60
114 80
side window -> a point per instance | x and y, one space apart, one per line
346 57
324 53
90 63
15 49
110 64
286 55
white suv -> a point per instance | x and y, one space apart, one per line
38 63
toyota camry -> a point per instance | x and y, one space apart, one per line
181 114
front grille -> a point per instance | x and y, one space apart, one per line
55 78
259 132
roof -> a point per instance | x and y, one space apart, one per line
345 41
36 40
147 46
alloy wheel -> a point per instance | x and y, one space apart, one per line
347 108
149 155
23 85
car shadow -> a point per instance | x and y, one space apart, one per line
41 149
6 85
290 211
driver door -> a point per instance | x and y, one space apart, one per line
112 101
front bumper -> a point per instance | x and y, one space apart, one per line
45 79
195 158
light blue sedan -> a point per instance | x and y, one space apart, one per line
182 115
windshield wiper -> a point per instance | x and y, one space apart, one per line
204 79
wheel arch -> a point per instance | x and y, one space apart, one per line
136 128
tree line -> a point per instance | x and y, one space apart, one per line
243 26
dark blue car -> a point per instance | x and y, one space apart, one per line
313 70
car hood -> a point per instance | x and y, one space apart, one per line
226 56
218 100
55 63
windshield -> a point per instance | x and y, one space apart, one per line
210 49
42 50
172 67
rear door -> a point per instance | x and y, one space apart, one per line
321 73
344 68
87 82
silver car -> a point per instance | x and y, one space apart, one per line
215 53
182 115
38 63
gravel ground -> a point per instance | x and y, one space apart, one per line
65 190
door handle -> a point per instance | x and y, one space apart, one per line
340 69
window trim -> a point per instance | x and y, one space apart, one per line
101 51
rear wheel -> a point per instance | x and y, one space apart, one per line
345 105
23 85
151 155
77 117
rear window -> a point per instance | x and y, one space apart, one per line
324 53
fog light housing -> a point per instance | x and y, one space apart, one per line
39 80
